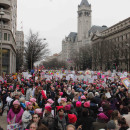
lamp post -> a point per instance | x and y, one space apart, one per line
1 14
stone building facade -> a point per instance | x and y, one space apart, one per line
8 30
111 47
75 40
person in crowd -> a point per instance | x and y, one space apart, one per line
101 122
122 123
48 118
15 113
33 126
36 119
115 115
27 117
34 103
127 116
61 119
70 127
86 120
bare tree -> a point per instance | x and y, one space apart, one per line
83 58
35 49
54 64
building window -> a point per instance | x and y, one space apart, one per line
5 36
8 37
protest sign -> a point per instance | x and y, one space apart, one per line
15 126
126 82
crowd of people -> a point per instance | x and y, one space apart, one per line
60 104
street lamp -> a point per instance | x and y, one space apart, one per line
1 14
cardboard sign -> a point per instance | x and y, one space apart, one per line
126 82
15 126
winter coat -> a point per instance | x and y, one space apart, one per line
48 120
26 117
60 124
11 115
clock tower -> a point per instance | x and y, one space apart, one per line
84 20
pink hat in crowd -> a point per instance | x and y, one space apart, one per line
61 93
33 100
28 103
38 110
85 92
47 104
102 116
68 107
16 102
83 97
78 104
63 99
11 87
48 108
87 104
50 101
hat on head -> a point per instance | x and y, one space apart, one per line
38 110
28 103
59 107
102 116
87 104
85 92
78 104
47 104
33 100
68 107
111 125
16 102
83 97
63 99
50 101
60 93
48 108
72 118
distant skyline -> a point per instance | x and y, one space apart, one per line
55 19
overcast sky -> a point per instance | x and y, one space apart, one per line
55 19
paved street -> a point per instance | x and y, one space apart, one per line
3 122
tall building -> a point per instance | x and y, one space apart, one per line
8 25
19 50
20 41
75 40
111 48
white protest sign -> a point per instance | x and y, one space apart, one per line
14 127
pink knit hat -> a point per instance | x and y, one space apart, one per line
16 102
47 104
68 107
50 101
61 93
48 108
87 104
102 116
78 104
63 99
83 97
28 103
33 100
38 110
